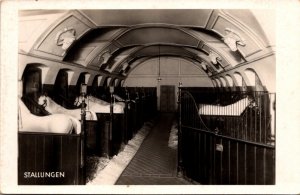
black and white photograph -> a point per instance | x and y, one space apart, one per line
132 98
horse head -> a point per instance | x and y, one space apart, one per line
43 100
78 100
252 103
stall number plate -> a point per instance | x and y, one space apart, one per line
219 147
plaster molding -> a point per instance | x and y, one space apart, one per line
214 57
65 37
232 39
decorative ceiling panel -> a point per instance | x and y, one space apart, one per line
190 17
60 35
248 19
161 35
251 47
105 40
58 41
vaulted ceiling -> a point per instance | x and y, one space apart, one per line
116 41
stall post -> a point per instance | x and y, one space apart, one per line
179 149
83 91
111 90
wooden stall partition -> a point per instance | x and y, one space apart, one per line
50 159
209 157
134 106
103 133
133 117
128 129
93 137
110 132
130 118
139 113
144 106
213 159
118 133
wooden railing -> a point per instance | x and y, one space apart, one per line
227 149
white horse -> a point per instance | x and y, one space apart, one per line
119 98
97 100
55 123
98 105
54 108
118 105
235 109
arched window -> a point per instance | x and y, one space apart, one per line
83 79
95 85
253 79
32 82
238 79
86 78
218 82
105 82
215 84
99 78
240 83
60 88
32 87
229 80
122 83
108 81
223 81
116 81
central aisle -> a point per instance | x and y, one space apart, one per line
154 163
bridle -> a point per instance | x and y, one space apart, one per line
44 105
76 101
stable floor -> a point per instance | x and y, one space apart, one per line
154 163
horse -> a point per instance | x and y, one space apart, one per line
98 105
119 102
118 98
54 108
97 100
55 123
235 109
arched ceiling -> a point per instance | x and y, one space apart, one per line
114 41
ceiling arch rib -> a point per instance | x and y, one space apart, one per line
103 52
113 67
162 50
155 51
120 57
110 40
147 35
114 29
97 43
142 59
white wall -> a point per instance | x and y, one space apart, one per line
172 71
265 68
